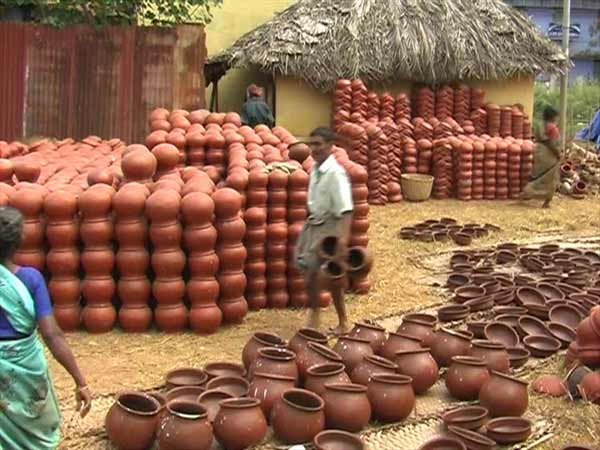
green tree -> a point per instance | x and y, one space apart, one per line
166 13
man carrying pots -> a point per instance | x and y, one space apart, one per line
330 209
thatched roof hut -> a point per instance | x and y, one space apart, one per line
428 41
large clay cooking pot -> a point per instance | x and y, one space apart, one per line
352 350
420 366
305 335
373 333
419 325
397 342
369 366
466 376
268 388
503 395
392 397
131 421
257 341
493 353
240 423
322 374
313 355
347 407
298 416
185 426
449 343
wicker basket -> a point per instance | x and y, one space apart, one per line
416 187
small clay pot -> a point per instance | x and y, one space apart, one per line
185 377
419 325
352 350
493 353
211 399
503 395
298 416
329 373
337 439
185 427
449 343
420 366
278 361
369 366
346 407
131 421
467 417
508 430
518 356
466 376
257 341
531 326
313 355
268 389
397 342
240 423
359 262
452 313
563 333
551 385
541 346
392 397
501 333
301 339
371 332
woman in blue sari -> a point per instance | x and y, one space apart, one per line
29 412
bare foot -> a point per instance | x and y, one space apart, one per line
340 330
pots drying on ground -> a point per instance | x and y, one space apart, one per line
508 430
420 366
392 397
298 416
503 395
240 423
322 374
347 407
466 376
449 343
371 365
257 341
185 427
467 417
131 421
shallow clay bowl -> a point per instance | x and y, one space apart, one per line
565 314
527 295
532 326
508 430
516 310
541 346
540 311
563 333
477 328
210 400
452 312
337 440
480 304
468 292
185 377
518 356
550 291
235 386
511 320
443 443
224 369
471 439
503 333
468 417
186 393
456 280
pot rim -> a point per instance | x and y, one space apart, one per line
525 423
183 370
219 392
527 341
325 351
269 339
508 377
145 397
335 369
347 387
354 339
312 335
203 414
381 362
469 361
370 326
306 393
413 351
240 403
277 353
462 334
388 378
273 376
421 319
480 410
224 365
179 389
488 344
404 336
239 381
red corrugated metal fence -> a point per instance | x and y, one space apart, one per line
81 81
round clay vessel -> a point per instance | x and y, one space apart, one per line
185 426
501 333
449 343
347 406
420 366
257 341
302 337
224 369
211 399
240 423
298 416
373 333
352 350
187 393
392 397
275 360
443 443
508 430
517 356
371 365
471 439
185 377
131 421
313 355
551 385
328 373
338 440
233 385
268 389
493 353
397 342
466 376
419 325
503 395
467 417
541 346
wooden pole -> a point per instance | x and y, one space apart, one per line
564 82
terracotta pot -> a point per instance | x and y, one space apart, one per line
347 407
550 385
131 421
132 261
421 326
373 333
392 397
369 366
420 366
471 439
135 318
68 317
233 385
589 388
298 416
257 341
493 353
134 290
64 291
359 262
99 318
234 310
185 427
467 417
168 291
171 318
336 439
466 376
268 388
274 360
504 396
322 374
397 342
303 336
240 423
443 443
449 343
210 399
98 290
224 369
313 355
352 350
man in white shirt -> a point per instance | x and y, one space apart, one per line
330 209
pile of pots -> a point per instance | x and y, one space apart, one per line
580 172
444 229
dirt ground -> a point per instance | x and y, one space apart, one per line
116 361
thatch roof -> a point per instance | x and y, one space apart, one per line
429 41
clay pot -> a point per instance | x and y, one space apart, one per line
550 385
352 350
268 389
298 416
501 333
171 318
508 430
135 318
274 360
466 376
443 443
397 342
131 421
224 369
257 341
449 343
541 346
420 366
419 325
589 388
359 262
322 374
493 353
503 395
369 366
333 275
313 355
336 439
371 332
471 439
185 377
347 407
392 397
467 417
211 399
184 393
185 427
303 336
240 423
99 318
233 385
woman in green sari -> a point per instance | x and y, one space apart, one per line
29 412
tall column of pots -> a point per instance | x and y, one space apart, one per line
423 134
424 103
387 109
442 169
478 186
359 102
502 170
462 104
494 119
444 103
31 252
526 162
517 123
373 107
514 170
200 239
506 121
238 177
98 258
133 260
464 169
167 260
277 238
215 153
489 170
176 137
360 220
231 230
342 103
477 99
296 216
394 160
195 144
62 233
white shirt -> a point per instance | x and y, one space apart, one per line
329 192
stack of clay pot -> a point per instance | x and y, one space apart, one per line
424 103
527 128
373 107
444 103
506 127
502 170
442 169
357 142
377 166
256 267
387 110
489 170
402 108
477 99
494 119
31 204
423 134
297 198
477 187
517 123
479 118
463 168
514 170
462 104
358 111
394 161
409 155
277 240
342 103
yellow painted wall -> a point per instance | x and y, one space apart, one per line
301 108
231 20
